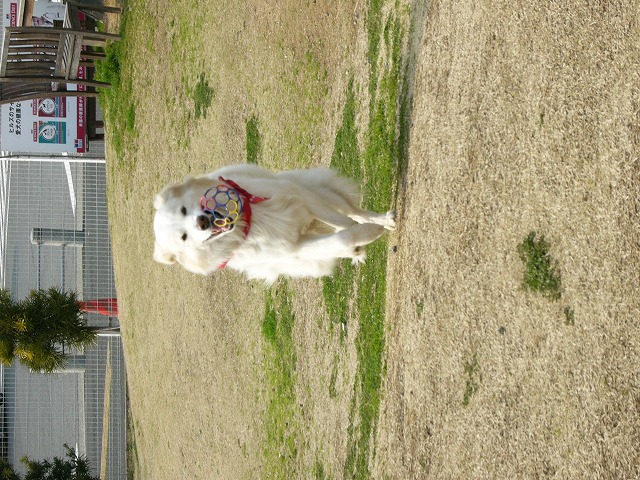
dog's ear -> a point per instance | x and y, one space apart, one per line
162 256
170 191
158 201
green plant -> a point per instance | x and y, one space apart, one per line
333 392
39 328
541 271
318 471
471 384
74 467
280 449
202 96
569 316
118 102
306 85
108 69
254 140
338 288
379 160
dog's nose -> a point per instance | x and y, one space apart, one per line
202 222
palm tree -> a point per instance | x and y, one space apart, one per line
39 328
74 467
9 320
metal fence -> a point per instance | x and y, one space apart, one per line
54 232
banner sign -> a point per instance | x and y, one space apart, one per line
49 124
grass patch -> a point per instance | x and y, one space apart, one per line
318 471
374 32
338 289
117 102
280 448
333 380
307 84
254 140
370 344
346 155
541 271
378 171
183 119
202 95
108 70
471 385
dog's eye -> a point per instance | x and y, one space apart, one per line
183 210
184 237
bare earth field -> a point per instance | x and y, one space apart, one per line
523 116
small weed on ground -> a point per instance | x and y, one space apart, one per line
202 96
569 316
541 271
471 370
254 140
318 471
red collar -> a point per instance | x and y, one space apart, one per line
247 200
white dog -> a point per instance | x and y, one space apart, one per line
295 223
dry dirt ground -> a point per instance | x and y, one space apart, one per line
525 116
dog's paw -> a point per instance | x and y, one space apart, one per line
390 222
359 255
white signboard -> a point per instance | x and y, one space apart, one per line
47 125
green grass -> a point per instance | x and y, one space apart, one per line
352 293
202 95
338 289
281 423
118 102
119 105
379 160
376 167
254 140
184 119
307 84
473 377
541 273
186 60
318 471
374 32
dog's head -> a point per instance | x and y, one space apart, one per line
181 226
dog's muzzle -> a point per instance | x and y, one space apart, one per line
203 223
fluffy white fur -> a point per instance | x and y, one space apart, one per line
311 219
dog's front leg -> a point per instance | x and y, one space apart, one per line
347 243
